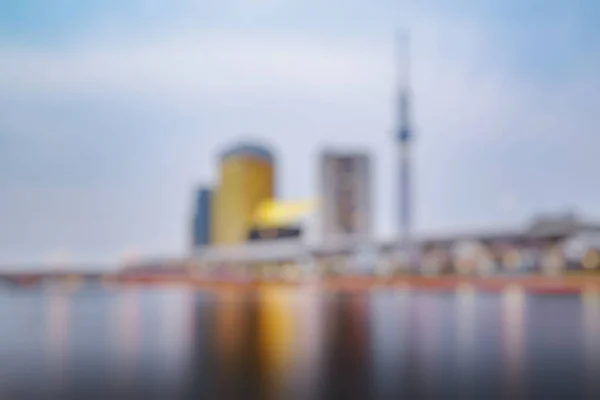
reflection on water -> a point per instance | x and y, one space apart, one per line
513 308
389 316
298 343
465 304
591 338
125 336
57 322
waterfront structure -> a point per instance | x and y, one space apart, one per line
345 210
246 180
202 218
518 250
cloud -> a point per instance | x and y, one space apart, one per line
205 65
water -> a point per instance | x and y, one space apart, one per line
296 343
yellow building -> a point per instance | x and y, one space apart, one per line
246 180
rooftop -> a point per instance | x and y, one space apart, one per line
248 149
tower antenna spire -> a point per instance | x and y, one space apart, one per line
403 57
404 139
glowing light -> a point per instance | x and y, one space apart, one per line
591 260
512 259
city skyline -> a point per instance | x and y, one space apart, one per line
108 124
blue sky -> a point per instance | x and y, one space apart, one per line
111 112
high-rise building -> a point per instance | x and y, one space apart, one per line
246 180
201 235
346 192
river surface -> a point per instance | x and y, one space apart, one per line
279 342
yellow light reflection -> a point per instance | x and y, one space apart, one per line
591 335
514 339
276 335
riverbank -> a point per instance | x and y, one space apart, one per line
570 284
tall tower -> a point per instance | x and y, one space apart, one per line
404 140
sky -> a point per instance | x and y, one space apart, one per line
113 112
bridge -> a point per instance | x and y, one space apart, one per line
26 278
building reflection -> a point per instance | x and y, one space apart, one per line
422 373
236 336
175 341
243 345
277 333
308 343
277 342
389 322
465 339
346 360
199 379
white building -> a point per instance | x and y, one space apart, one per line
345 196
